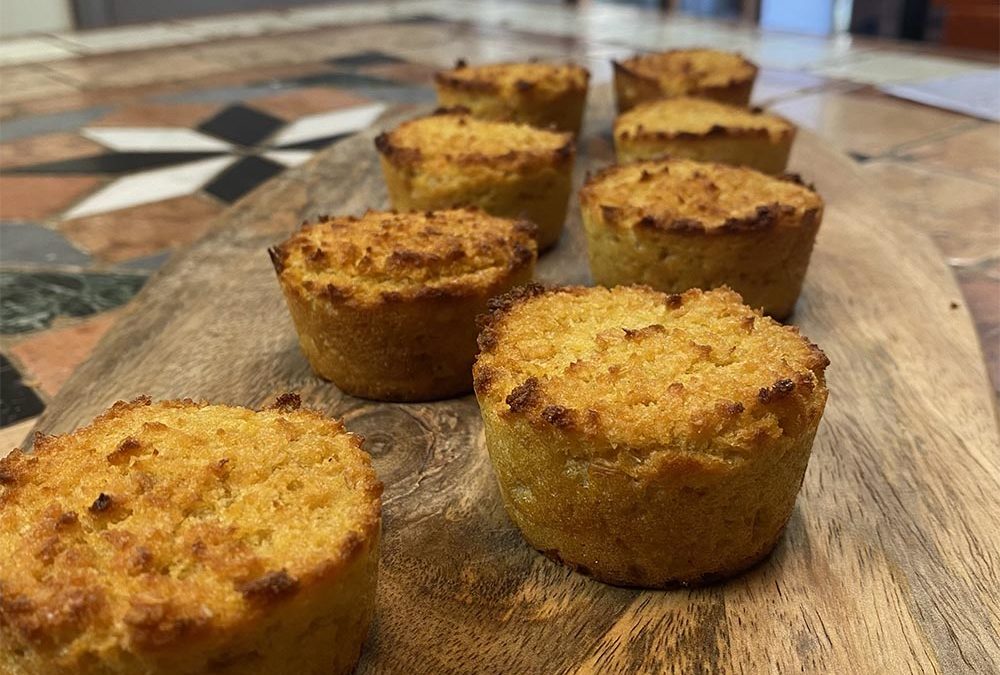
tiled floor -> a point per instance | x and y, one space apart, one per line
118 146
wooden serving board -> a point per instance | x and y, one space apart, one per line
890 561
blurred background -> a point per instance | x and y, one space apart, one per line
960 23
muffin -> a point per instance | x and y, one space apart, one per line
540 94
703 73
452 159
697 128
647 439
385 305
677 224
180 537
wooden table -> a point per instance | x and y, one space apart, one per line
890 562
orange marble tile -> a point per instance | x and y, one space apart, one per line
962 216
40 197
296 103
45 148
143 230
975 152
47 359
866 123
158 115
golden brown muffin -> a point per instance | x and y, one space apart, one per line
385 305
452 159
703 73
540 94
647 439
180 537
697 128
677 224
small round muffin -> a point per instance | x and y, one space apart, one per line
180 538
697 128
647 439
703 73
540 94
452 159
385 305
676 224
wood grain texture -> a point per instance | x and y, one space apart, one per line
890 562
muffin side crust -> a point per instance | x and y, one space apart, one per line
647 439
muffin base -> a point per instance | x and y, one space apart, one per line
540 195
756 151
681 519
563 113
418 349
766 267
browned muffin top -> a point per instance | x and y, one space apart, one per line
452 137
385 256
543 80
685 71
638 367
685 117
681 195
162 523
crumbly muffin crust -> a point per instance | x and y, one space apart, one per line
694 118
161 525
636 367
684 196
452 137
520 80
390 257
689 71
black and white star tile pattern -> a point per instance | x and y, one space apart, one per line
226 156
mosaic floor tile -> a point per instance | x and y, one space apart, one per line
366 58
158 115
296 103
150 186
151 138
331 123
21 197
242 177
241 125
31 301
114 163
236 25
17 400
28 243
139 231
314 143
23 83
36 124
148 263
291 158
31 50
45 148
50 357
126 38
883 67
156 66
412 73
